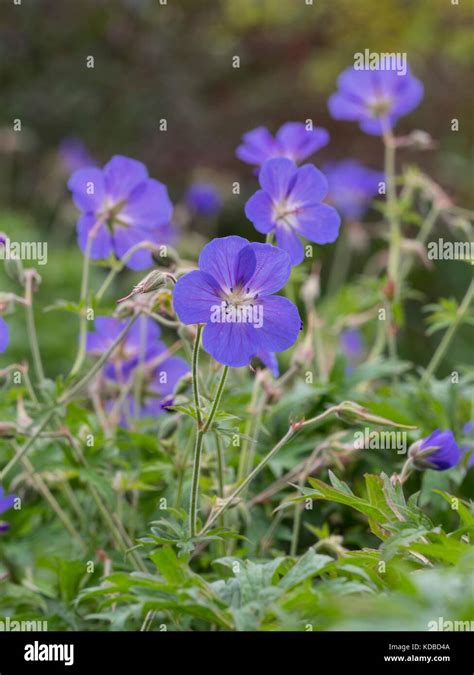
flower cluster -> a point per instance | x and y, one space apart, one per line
140 348
122 207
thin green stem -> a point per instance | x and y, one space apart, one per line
195 370
31 327
200 432
29 443
44 490
81 352
268 457
448 336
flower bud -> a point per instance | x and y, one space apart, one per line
152 282
438 451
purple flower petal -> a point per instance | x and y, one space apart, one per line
309 186
4 335
281 324
88 189
106 331
269 360
122 175
298 143
258 146
232 344
271 271
218 258
148 205
287 239
276 177
259 210
124 238
194 295
102 242
319 223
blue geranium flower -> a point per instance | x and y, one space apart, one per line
6 502
141 346
289 204
292 140
4 335
437 451
233 294
374 98
352 187
121 207
203 199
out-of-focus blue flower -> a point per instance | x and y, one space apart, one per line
289 204
74 154
203 199
292 141
140 348
352 344
121 207
374 98
233 294
269 360
352 187
6 502
4 335
437 451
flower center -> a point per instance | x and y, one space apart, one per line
239 296
284 213
110 211
380 107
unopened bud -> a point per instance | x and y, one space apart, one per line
7 430
152 282
183 384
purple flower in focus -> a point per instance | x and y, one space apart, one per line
203 199
289 204
6 502
292 141
374 98
141 347
74 154
233 294
352 187
121 207
437 451
4 335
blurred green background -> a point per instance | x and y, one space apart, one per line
173 61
